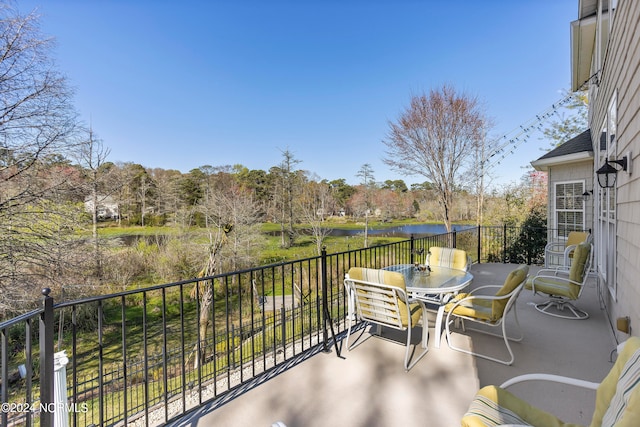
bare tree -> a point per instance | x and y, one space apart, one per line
37 122
368 184
433 138
234 231
92 156
313 203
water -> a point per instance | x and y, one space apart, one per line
417 230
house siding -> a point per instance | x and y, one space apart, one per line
620 73
582 171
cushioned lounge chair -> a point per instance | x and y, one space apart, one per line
489 310
617 398
564 285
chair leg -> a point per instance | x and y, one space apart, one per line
504 336
559 305
425 340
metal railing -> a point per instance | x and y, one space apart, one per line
152 355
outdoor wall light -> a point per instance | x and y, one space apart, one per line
586 194
607 173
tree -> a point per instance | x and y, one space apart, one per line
341 191
284 191
368 184
313 203
232 224
571 122
395 185
434 137
92 156
37 121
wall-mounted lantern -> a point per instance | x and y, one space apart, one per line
607 173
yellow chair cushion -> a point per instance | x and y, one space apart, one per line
618 396
558 287
513 280
576 237
489 310
494 406
391 278
551 286
476 308
580 256
617 400
448 257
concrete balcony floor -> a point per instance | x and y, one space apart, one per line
368 386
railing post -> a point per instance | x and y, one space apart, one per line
325 299
479 243
47 396
504 243
411 249
454 239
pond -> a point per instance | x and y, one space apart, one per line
418 230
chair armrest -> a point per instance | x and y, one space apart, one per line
550 377
554 247
472 292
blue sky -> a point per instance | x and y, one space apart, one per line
182 84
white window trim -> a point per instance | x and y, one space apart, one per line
556 227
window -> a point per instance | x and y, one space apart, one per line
606 224
569 207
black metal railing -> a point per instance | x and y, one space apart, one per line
152 355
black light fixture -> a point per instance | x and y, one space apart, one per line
607 173
586 194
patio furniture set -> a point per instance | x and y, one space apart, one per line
400 297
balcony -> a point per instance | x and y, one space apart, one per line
369 387
271 350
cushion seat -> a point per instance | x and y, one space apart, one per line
617 398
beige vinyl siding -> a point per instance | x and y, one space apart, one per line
621 73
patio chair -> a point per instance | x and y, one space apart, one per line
617 397
564 285
562 252
447 257
490 310
379 297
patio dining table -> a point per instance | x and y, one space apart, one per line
435 287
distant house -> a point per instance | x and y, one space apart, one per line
107 207
569 169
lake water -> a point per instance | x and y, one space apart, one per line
418 230
401 231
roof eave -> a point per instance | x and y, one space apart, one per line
545 164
